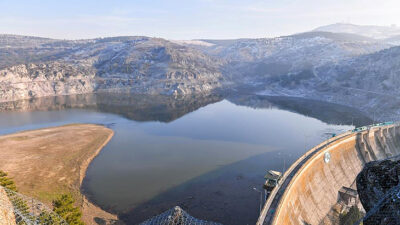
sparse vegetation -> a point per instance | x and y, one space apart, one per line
6 181
64 206
46 149
350 217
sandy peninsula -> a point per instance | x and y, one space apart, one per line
47 162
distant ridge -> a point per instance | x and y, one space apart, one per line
377 32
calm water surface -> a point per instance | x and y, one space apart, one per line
204 154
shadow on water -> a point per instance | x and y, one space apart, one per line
224 195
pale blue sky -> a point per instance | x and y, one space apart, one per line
187 19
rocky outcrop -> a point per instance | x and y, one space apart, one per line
6 213
378 185
46 79
128 64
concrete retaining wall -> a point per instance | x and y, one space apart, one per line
313 189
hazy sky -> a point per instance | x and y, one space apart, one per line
187 19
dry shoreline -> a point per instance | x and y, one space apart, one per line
47 162
90 210
86 164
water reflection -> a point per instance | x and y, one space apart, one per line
169 108
324 111
136 107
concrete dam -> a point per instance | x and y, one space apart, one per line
310 188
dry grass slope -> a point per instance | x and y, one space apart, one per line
48 162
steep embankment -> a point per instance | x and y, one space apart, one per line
48 162
312 190
7 216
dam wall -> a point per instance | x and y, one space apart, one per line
310 187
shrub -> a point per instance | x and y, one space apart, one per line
64 206
351 217
7 182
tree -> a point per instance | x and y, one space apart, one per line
7 182
64 206
351 217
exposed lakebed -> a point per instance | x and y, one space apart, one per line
203 153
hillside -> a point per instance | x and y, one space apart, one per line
377 32
343 68
250 62
36 67
368 82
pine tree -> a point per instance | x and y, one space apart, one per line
46 218
7 182
64 206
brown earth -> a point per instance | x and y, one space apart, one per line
48 162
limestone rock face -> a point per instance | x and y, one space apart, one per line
377 184
33 67
6 213
46 79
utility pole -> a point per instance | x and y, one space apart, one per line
373 122
284 162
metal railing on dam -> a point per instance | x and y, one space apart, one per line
309 188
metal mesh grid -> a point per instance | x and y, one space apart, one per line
176 216
28 211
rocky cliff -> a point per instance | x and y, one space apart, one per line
36 67
378 188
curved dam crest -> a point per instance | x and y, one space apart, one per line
310 187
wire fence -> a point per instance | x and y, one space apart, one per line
28 211
176 216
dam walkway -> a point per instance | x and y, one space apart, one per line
272 210
270 207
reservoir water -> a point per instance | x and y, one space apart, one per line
202 153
